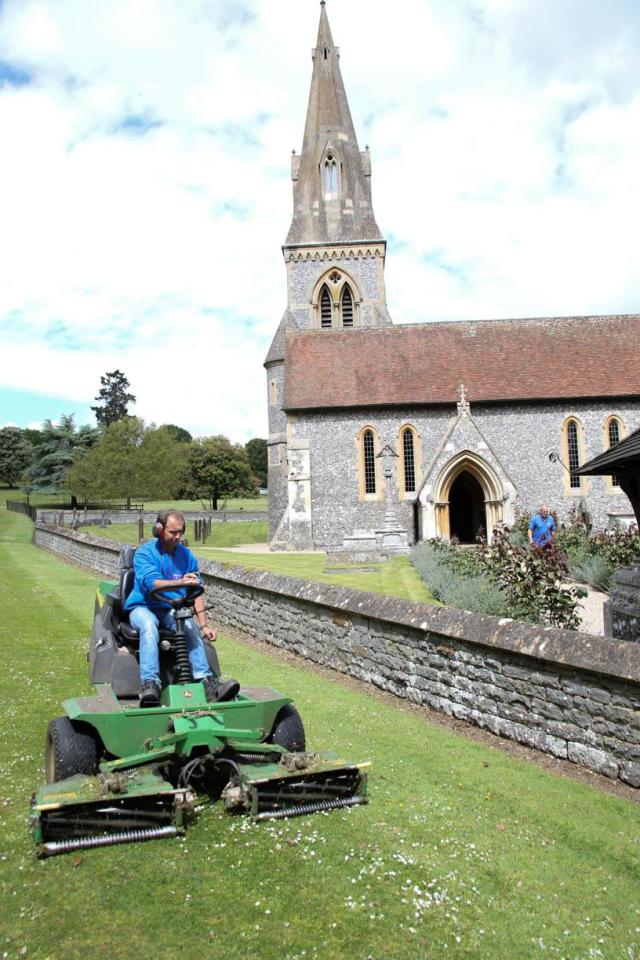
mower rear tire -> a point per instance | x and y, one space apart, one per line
70 748
288 730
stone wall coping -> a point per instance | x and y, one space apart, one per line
603 655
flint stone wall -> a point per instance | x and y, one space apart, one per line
569 694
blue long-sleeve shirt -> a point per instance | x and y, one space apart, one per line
151 563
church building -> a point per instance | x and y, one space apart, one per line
383 434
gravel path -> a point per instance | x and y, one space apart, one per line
591 611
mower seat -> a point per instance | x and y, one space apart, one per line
126 635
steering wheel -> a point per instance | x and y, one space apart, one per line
193 591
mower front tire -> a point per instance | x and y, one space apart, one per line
288 730
70 749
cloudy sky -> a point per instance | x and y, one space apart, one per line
145 191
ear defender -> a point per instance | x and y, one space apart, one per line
157 529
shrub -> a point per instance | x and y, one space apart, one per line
503 579
518 535
464 560
436 562
593 559
618 547
534 581
593 570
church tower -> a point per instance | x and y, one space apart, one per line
334 255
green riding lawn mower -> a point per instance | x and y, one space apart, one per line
118 773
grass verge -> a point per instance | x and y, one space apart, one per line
463 851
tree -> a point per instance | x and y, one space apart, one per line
35 437
178 433
163 464
129 461
257 453
218 468
113 398
55 453
16 453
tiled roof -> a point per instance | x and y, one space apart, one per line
497 360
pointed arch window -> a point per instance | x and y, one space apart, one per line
369 462
347 306
613 436
573 444
409 460
573 451
325 308
330 177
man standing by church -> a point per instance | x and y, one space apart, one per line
166 562
542 529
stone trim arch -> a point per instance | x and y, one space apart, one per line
362 490
335 279
611 483
489 481
584 485
417 461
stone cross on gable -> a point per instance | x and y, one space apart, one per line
463 403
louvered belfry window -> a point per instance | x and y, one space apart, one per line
613 430
369 462
409 461
325 308
573 451
347 307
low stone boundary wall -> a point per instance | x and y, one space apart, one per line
93 517
569 694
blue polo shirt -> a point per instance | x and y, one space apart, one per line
542 529
151 563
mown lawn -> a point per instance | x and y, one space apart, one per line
228 533
463 852
236 503
396 577
233 503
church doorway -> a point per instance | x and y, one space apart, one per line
467 514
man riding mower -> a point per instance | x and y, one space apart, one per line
119 769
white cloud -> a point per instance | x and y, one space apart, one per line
505 144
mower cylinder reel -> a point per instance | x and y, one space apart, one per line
53 847
304 808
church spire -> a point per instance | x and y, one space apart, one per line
331 177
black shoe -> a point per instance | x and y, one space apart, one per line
218 690
150 696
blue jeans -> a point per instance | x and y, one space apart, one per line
147 624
